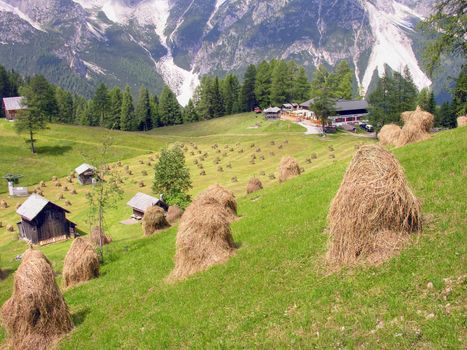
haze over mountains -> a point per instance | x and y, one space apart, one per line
79 43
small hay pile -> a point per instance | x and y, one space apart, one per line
254 185
36 315
462 121
204 238
374 210
389 134
81 263
288 169
417 126
222 195
3 204
153 220
174 213
97 235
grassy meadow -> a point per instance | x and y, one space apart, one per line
276 291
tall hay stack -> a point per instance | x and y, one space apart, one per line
374 210
174 214
254 185
288 168
462 121
153 220
97 236
204 238
81 263
417 126
222 195
389 134
36 315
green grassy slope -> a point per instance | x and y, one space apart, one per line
275 292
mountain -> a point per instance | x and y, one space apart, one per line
82 42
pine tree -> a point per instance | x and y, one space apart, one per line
446 116
263 85
65 105
189 113
323 100
143 110
230 92
301 87
280 84
115 108
127 112
203 98
217 101
154 103
101 104
169 109
426 100
247 97
343 80
408 91
460 93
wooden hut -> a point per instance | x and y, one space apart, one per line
272 113
43 221
141 201
12 105
85 174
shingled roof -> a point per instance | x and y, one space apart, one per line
83 168
33 206
13 103
142 201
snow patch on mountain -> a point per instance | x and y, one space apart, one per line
392 45
9 8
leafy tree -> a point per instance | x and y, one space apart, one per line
172 177
101 104
143 110
280 87
39 97
448 25
127 111
189 113
115 108
323 100
169 109
426 100
247 96
263 84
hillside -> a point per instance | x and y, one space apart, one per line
275 292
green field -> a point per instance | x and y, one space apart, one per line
275 292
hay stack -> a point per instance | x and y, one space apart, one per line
174 213
97 235
254 185
204 238
154 219
374 209
81 263
10 228
3 204
36 315
222 195
417 126
288 168
462 121
389 134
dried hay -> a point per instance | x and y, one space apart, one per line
202 173
204 239
373 211
81 263
97 236
68 203
174 213
54 178
144 173
10 228
462 121
3 204
42 184
272 176
288 168
141 184
417 126
153 220
36 316
254 185
313 156
73 191
389 134
220 169
234 179
18 205
225 197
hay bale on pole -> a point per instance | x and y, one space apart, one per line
174 214
374 210
417 126
389 135
225 197
97 236
36 316
153 220
204 239
254 185
81 263
3 204
462 121
288 168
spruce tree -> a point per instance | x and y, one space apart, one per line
127 112
169 109
101 104
64 105
143 110
343 80
280 84
230 92
115 108
263 85
217 100
247 97
154 103
189 113
301 87
426 100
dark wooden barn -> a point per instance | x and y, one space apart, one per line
85 174
43 222
12 105
141 201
